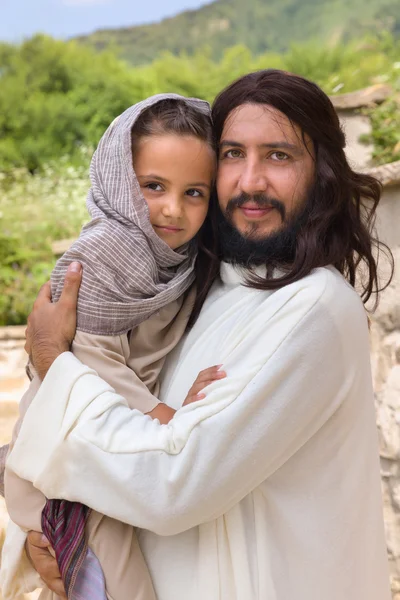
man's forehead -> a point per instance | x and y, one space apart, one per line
263 121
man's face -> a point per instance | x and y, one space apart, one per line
265 170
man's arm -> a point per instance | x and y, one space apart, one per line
282 387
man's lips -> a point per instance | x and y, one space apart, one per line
168 228
253 211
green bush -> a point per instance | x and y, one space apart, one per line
23 270
35 210
58 96
385 137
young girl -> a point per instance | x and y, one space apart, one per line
139 256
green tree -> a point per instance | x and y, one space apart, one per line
56 96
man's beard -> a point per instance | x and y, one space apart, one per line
278 249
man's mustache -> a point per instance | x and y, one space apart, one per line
261 200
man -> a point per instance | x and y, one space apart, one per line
269 487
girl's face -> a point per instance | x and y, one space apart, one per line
175 174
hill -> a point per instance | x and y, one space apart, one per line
261 25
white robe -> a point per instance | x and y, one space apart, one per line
269 488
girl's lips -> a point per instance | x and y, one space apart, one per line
168 228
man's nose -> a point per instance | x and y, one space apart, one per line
253 179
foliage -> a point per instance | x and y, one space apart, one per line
385 137
57 98
385 119
34 211
261 26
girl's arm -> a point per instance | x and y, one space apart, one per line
165 413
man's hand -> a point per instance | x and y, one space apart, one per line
203 379
51 326
38 551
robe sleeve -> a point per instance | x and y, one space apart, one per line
287 376
108 355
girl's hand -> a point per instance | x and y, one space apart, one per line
204 378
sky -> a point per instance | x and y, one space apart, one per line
67 18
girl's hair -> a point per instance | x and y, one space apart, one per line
339 229
176 117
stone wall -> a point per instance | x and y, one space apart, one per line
385 322
385 356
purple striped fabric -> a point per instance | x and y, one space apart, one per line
89 581
63 523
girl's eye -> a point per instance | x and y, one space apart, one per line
156 187
194 193
279 156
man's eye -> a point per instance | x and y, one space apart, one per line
232 154
194 193
280 156
156 187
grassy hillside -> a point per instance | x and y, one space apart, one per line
262 25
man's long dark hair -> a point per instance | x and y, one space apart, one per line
339 229
207 261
